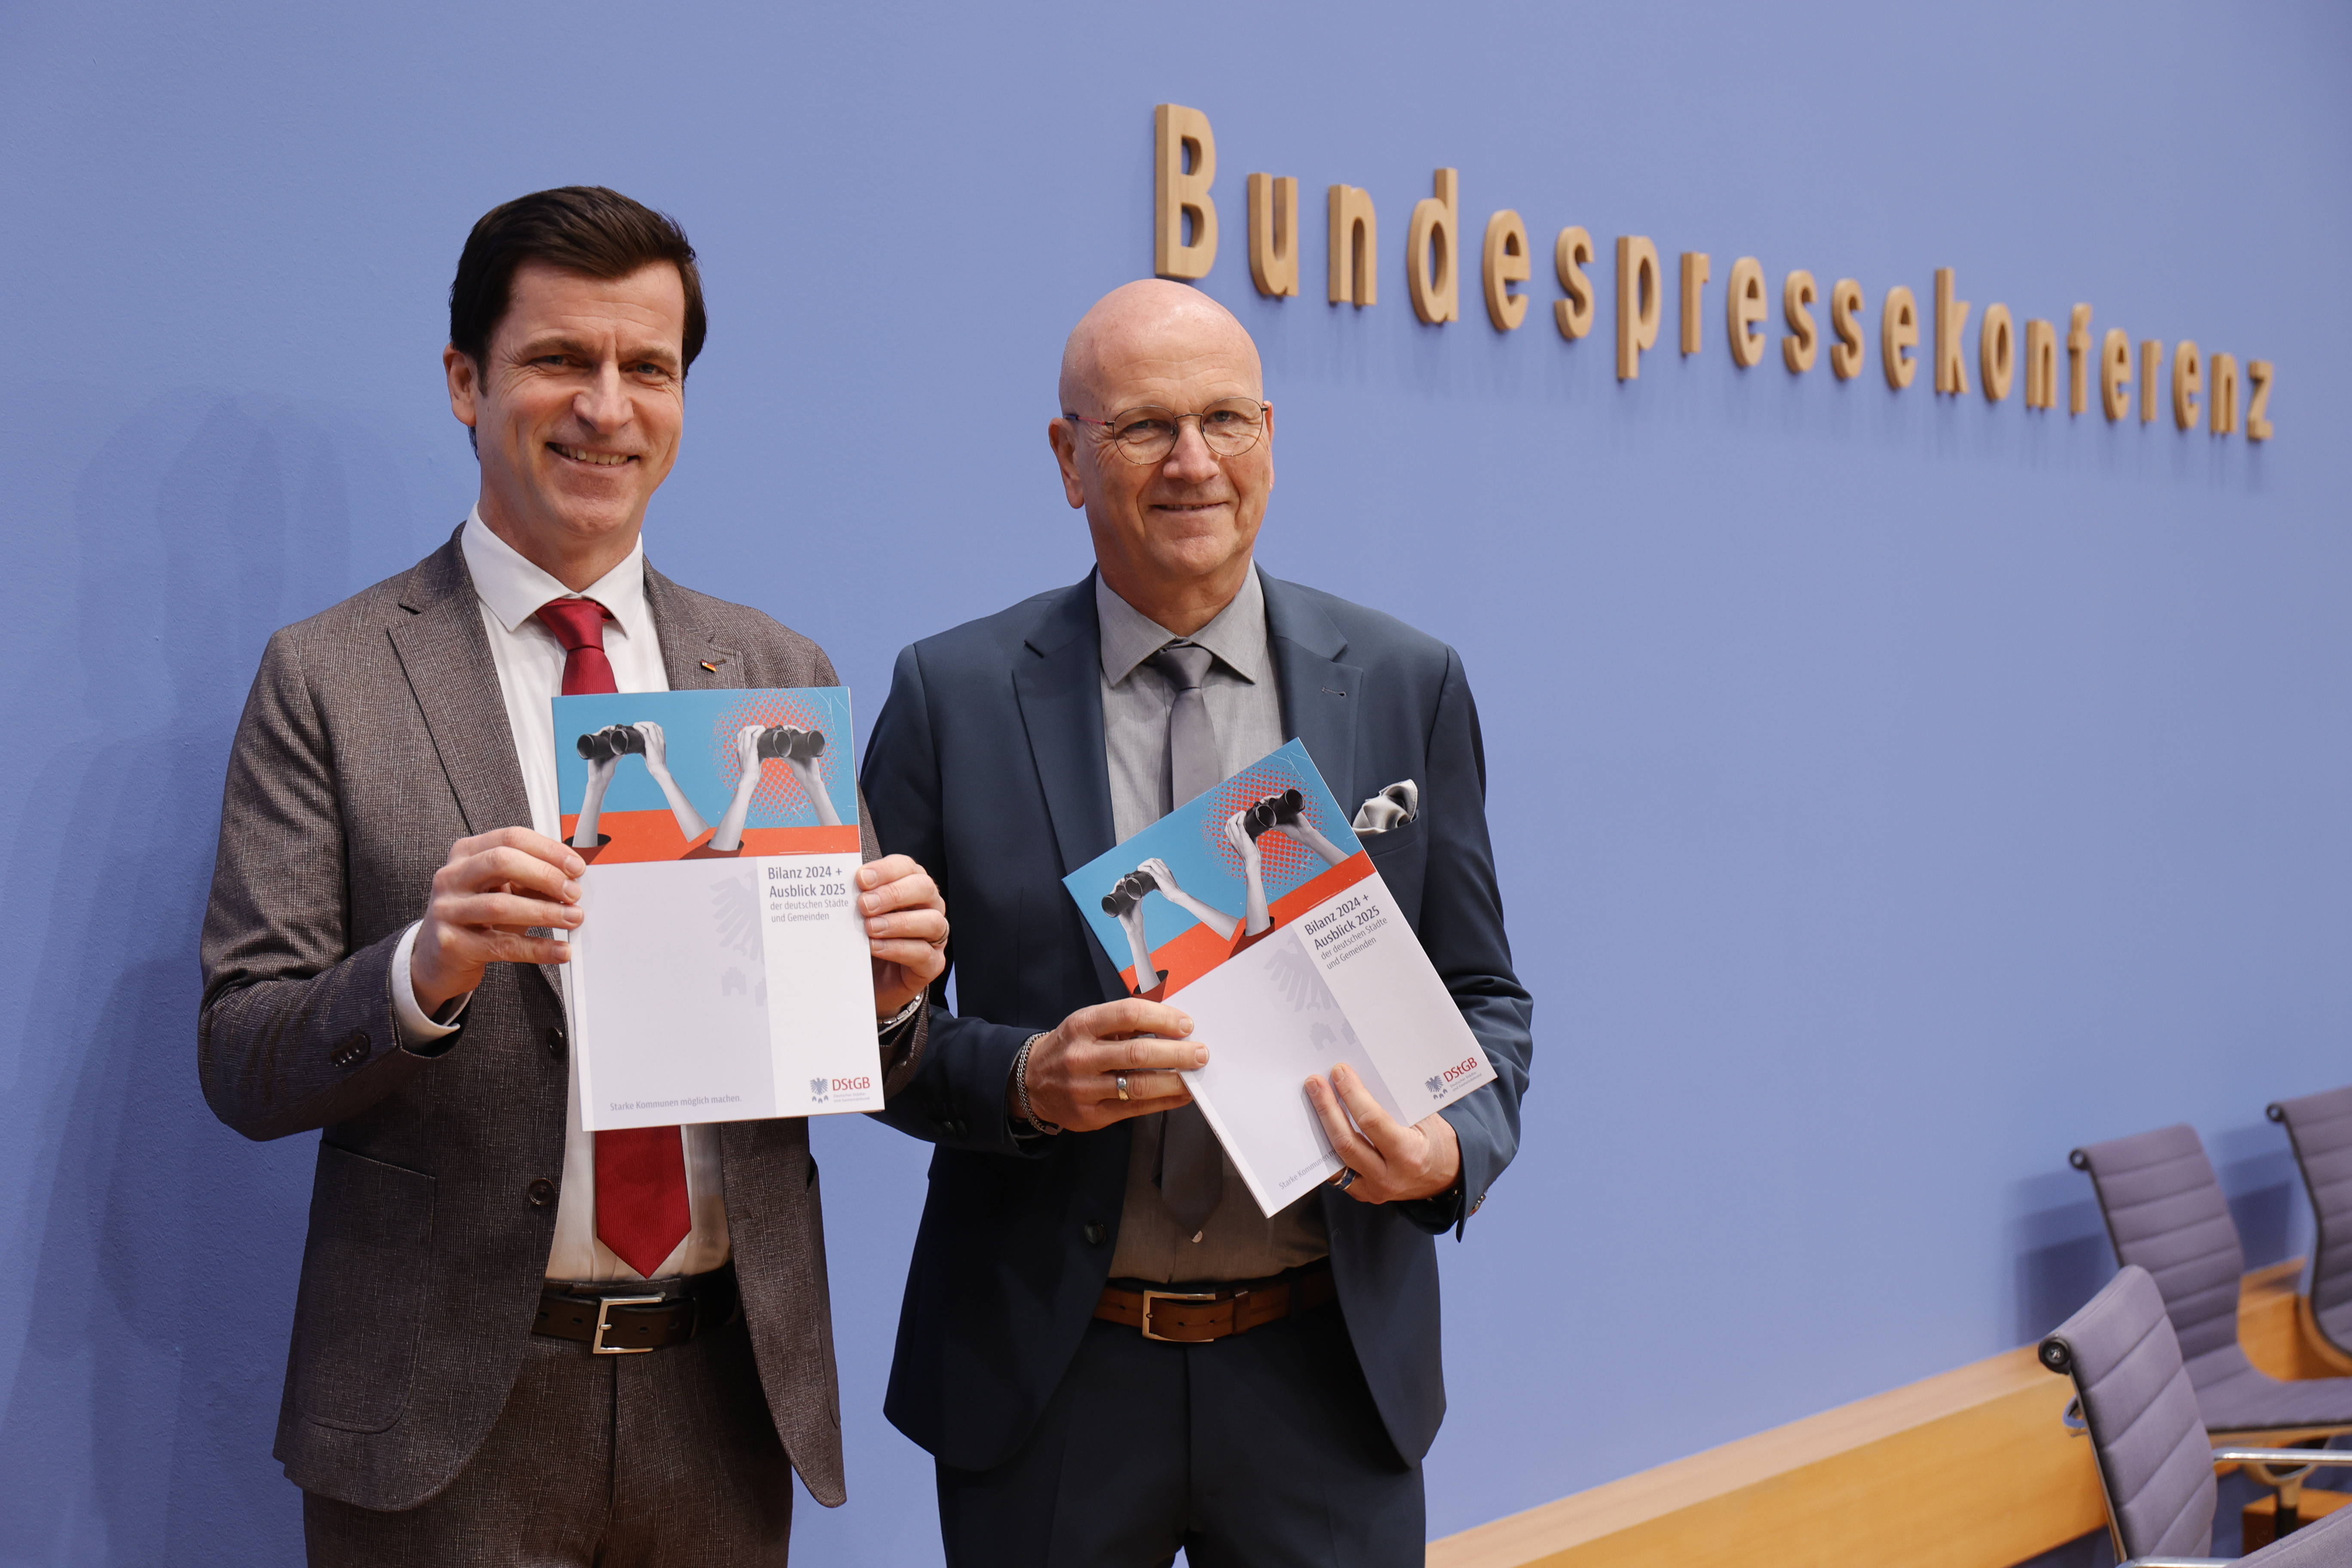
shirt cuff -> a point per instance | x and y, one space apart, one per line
416 1028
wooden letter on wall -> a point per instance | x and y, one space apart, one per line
2078 360
2258 407
1273 235
1181 136
2040 364
2115 373
1433 265
1996 352
2187 380
2221 394
1570 254
1951 315
1695 274
1803 343
2151 368
1845 313
1506 262
1355 247
1744 310
1638 303
1898 334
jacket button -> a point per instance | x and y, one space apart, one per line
1094 1233
348 1050
540 1193
556 1041
952 1127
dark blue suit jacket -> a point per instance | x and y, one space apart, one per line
987 767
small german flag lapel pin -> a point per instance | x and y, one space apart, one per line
710 667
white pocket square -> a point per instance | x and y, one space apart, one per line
1393 807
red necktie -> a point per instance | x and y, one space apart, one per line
641 1209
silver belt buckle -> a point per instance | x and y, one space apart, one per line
605 1305
1149 1296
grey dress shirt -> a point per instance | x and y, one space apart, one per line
1245 710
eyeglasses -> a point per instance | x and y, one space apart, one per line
1148 434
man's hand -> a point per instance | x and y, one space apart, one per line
1074 1071
1393 1163
494 888
906 930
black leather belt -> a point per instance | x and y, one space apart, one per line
617 1320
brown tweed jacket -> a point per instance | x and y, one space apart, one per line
373 738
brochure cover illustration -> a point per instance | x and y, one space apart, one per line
1257 904
722 973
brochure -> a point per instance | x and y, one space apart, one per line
1257 904
722 973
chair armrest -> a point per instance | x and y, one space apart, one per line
2282 1456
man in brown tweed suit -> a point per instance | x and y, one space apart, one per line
381 964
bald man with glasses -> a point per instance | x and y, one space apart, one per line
1111 1354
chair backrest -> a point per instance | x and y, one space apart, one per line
2320 1128
2154 1458
2165 1212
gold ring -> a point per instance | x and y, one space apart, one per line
1120 1082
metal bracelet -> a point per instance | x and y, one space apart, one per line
902 1014
1021 1087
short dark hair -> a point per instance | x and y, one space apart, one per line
580 228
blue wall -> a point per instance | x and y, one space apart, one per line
1891 793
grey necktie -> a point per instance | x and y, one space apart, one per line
1192 1174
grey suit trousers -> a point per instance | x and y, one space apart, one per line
663 1460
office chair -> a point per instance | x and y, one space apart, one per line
2155 1461
2319 1126
2165 1212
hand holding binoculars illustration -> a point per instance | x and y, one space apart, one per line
603 750
1126 892
1275 811
1286 813
1154 876
611 741
756 745
1125 903
789 744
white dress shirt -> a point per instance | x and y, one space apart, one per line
531 672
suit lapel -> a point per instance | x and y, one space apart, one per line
1060 692
1320 695
445 656
693 658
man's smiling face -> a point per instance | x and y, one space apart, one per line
1194 515
577 412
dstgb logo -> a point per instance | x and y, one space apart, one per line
1436 1085
818 1087
851 1085
1466 1065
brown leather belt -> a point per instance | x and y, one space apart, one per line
1198 1317
620 1319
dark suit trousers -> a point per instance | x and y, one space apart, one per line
662 1460
1263 1450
